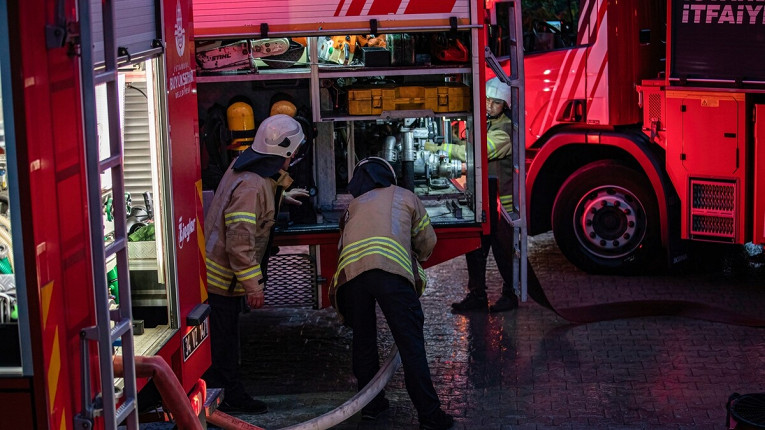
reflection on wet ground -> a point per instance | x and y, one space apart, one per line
529 368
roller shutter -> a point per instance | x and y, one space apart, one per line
137 26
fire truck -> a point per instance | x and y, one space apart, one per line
643 126
366 78
101 243
103 173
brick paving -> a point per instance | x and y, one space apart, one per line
529 368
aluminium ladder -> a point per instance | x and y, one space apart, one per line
111 325
516 219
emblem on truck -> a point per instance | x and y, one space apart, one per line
180 32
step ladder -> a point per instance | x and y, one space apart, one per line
112 325
517 218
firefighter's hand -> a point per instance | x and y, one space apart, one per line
432 147
255 300
291 197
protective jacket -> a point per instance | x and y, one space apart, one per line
500 150
237 229
387 229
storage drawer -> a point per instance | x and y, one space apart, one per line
440 99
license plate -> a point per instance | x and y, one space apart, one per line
194 338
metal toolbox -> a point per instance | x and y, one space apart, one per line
439 99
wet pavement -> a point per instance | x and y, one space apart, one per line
529 368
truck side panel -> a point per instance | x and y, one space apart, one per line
49 144
216 18
186 184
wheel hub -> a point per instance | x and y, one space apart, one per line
611 222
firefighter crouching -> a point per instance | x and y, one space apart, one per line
238 229
385 231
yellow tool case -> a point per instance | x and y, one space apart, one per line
439 99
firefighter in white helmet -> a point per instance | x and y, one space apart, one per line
237 234
499 148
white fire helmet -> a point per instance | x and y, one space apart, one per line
495 89
278 135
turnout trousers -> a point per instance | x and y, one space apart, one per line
403 312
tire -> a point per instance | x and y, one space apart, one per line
605 220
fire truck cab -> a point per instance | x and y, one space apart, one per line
642 126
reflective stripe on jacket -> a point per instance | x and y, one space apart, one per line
387 229
237 227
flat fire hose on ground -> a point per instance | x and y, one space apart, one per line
638 308
626 309
333 417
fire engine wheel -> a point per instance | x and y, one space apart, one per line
605 219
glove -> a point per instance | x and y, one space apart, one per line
291 197
432 147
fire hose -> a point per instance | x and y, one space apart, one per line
173 396
627 309
638 308
333 417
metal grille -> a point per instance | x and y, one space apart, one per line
654 106
291 281
713 209
712 225
714 196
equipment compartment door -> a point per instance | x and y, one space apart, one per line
712 134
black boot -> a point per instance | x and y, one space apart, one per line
471 302
375 408
438 420
241 402
505 303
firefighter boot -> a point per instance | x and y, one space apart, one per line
242 402
505 302
375 408
471 302
438 420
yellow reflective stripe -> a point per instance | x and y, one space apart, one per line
383 246
220 277
507 202
241 217
217 275
424 222
223 272
250 273
424 278
388 247
492 147
211 282
448 147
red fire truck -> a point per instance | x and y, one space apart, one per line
101 206
100 165
643 126
366 78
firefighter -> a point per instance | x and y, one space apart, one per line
238 234
385 232
499 148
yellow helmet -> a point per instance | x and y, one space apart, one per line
285 107
241 124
